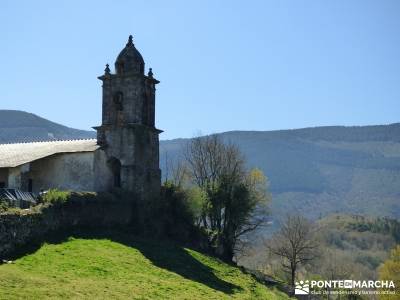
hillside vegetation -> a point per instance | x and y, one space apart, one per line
355 246
20 126
123 267
322 170
350 247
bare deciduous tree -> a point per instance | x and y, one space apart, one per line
294 243
176 171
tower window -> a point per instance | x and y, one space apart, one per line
118 100
30 185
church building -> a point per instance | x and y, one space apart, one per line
125 154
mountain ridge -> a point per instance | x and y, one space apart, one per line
393 126
20 126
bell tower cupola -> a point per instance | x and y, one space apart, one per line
128 136
129 60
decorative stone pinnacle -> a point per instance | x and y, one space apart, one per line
130 41
107 69
150 74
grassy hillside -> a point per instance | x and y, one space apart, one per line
19 126
125 268
322 170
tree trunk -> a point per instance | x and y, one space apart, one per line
227 251
293 277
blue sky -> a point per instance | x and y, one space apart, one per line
223 65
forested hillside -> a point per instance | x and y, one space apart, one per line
349 247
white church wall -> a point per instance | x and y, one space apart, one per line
68 171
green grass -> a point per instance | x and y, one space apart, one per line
125 268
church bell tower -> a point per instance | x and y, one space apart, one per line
127 136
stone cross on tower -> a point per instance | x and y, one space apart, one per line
128 136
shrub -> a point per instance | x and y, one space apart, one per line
55 196
180 210
3 206
390 270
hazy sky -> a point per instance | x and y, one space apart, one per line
223 65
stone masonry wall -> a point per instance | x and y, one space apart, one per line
19 227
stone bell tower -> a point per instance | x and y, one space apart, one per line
127 136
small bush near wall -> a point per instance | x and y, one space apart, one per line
3 206
177 213
57 196
61 210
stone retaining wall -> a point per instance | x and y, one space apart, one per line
19 227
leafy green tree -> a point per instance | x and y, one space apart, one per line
390 270
235 199
179 210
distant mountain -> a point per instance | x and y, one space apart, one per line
322 170
20 126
